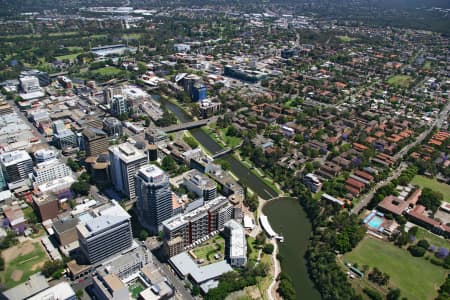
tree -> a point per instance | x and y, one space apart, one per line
80 188
424 244
79 293
195 290
53 268
393 294
285 288
73 165
191 141
143 235
431 199
268 248
416 251
169 164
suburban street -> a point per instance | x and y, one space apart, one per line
438 124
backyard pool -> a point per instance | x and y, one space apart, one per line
375 222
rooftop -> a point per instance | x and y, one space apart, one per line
102 218
185 265
14 157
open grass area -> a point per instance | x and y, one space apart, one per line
427 65
107 71
417 278
433 239
69 56
21 262
220 137
131 36
252 251
431 183
135 289
400 81
208 249
346 38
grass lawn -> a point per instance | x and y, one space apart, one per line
425 182
400 81
131 36
29 257
69 56
427 65
220 137
435 240
107 71
417 278
208 249
346 38
253 253
135 289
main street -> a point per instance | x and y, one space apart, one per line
437 124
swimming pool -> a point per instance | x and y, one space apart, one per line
376 222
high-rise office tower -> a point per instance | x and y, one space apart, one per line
125 161
154 197
104 232
16 165
95 141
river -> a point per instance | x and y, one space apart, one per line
287 218
244 175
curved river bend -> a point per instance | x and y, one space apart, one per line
288 219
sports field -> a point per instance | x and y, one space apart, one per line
107 71
417 278
425 182
21 261
400 81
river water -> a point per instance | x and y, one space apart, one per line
287 218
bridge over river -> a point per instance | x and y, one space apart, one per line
189 125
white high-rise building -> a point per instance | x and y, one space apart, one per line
104 232
16 165
125 161
50 170
29 84
154 197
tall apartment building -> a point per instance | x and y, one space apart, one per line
16 165
125 161
201 185
95 141
49 170
104 232
196 224
312 182
119 105
154 197
63 137
236 244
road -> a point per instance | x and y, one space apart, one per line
438 124
178 285
22 116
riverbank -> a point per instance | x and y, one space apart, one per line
288 218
